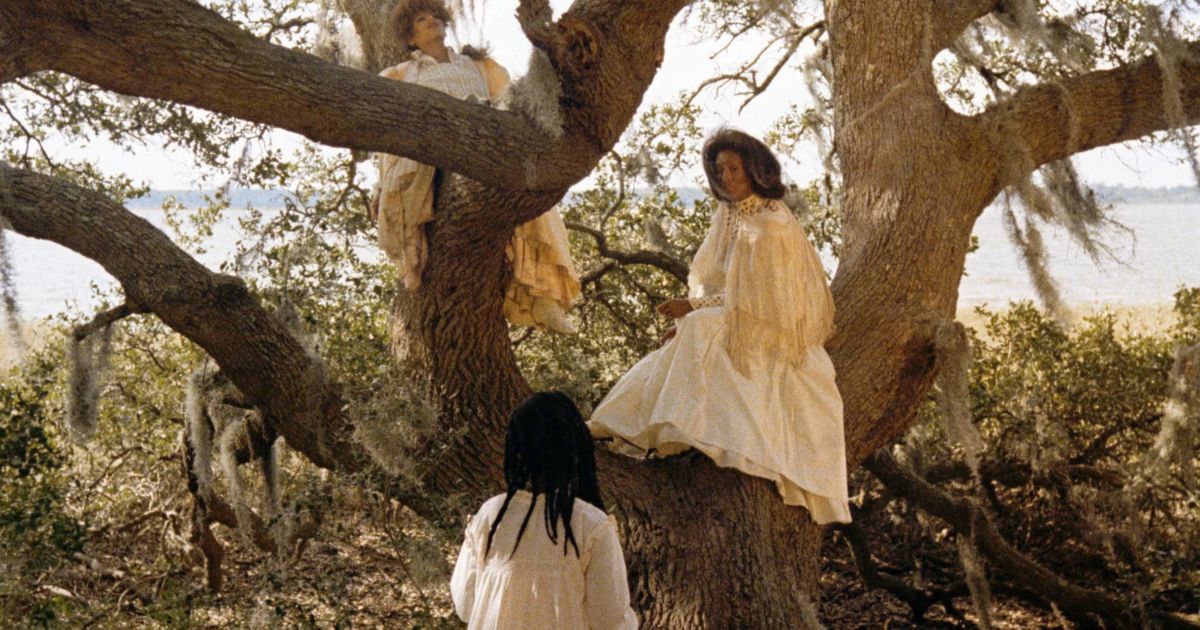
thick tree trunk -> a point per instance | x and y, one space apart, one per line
915 177
712 548
706 547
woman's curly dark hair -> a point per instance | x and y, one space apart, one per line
405 13
760 164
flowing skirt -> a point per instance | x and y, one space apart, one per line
544 280
778 421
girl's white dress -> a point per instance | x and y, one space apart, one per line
538 586
746 379
544 278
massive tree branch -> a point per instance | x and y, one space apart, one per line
1054 121
215 311
179 51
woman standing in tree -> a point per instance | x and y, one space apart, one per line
561 569
544 279
744 376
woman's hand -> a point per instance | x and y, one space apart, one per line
667 336
675 308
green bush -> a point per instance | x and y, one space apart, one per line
36 531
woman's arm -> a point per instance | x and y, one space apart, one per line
606 599
462 582
495 75
707 301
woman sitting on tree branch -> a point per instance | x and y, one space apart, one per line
544 279
744 376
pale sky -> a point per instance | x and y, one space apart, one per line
687 62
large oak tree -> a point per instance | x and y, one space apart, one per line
706 547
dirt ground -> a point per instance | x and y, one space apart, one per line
365 570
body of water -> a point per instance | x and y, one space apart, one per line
1156 258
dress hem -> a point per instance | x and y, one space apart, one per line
821 508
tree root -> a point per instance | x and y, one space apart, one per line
1087 607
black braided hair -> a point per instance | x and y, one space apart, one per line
548 451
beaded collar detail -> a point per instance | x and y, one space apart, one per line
750 205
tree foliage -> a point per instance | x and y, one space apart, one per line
1069 419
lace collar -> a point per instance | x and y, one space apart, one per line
418 56
751 205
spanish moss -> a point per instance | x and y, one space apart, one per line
976 578
8 293
88 368
1028 241
953 347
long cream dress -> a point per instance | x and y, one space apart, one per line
539 586
544 278
746 379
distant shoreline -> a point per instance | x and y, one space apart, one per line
266 198
1136 318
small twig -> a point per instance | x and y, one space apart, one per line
755 87
594 275
96 566
107 318
620 200
524 337
640 257
28 134
291 24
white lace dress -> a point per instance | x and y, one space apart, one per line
746 380
544 278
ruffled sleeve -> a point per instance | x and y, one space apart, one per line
706 276
495 75
777 296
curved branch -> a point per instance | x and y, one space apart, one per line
1102 107
919 599
215 311
968 519
1013 474
106 318
180 51
639 257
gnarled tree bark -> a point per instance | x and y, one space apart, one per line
707 547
